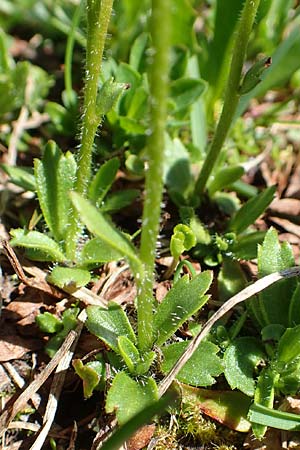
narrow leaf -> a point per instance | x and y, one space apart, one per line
98 225
251 210
103 180
224 177
37 241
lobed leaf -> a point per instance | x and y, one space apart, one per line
240 359
184 299
200 369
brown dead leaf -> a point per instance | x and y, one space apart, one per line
285 207
141 438
14 347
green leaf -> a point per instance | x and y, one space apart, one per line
284 64
264 395
270 417
275 300
48 323
288 354
231 279
109 324
55 175
223 178
246 245
184 299
253 75
123 389
98 251
137 51
143 417
102 181
20 176
200 369
240 359
37 241
119 200
185 91
129 352
69 322
69 278
98 225
251 210
108 95
182 239
91 375
294 309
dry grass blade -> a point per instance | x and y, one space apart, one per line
246 293
12 410
56 387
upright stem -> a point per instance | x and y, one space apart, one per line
232 91
98 16
158 77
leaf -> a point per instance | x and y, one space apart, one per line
98 251
284 64
264 395
246 245
48 323
69 322
185 91
231 279
119 200
227 407
240 359
224 177
143 417
109 324
108 95
37 241
182 239
55 175
123 388
102 181
129 352
275 300
274 418
69 278
294 309
177 170
251 210
98 225
137 51
253 75
90 373
181 302
20 176
288 353
200 369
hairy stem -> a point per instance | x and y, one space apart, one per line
158 77
98 16
232 91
